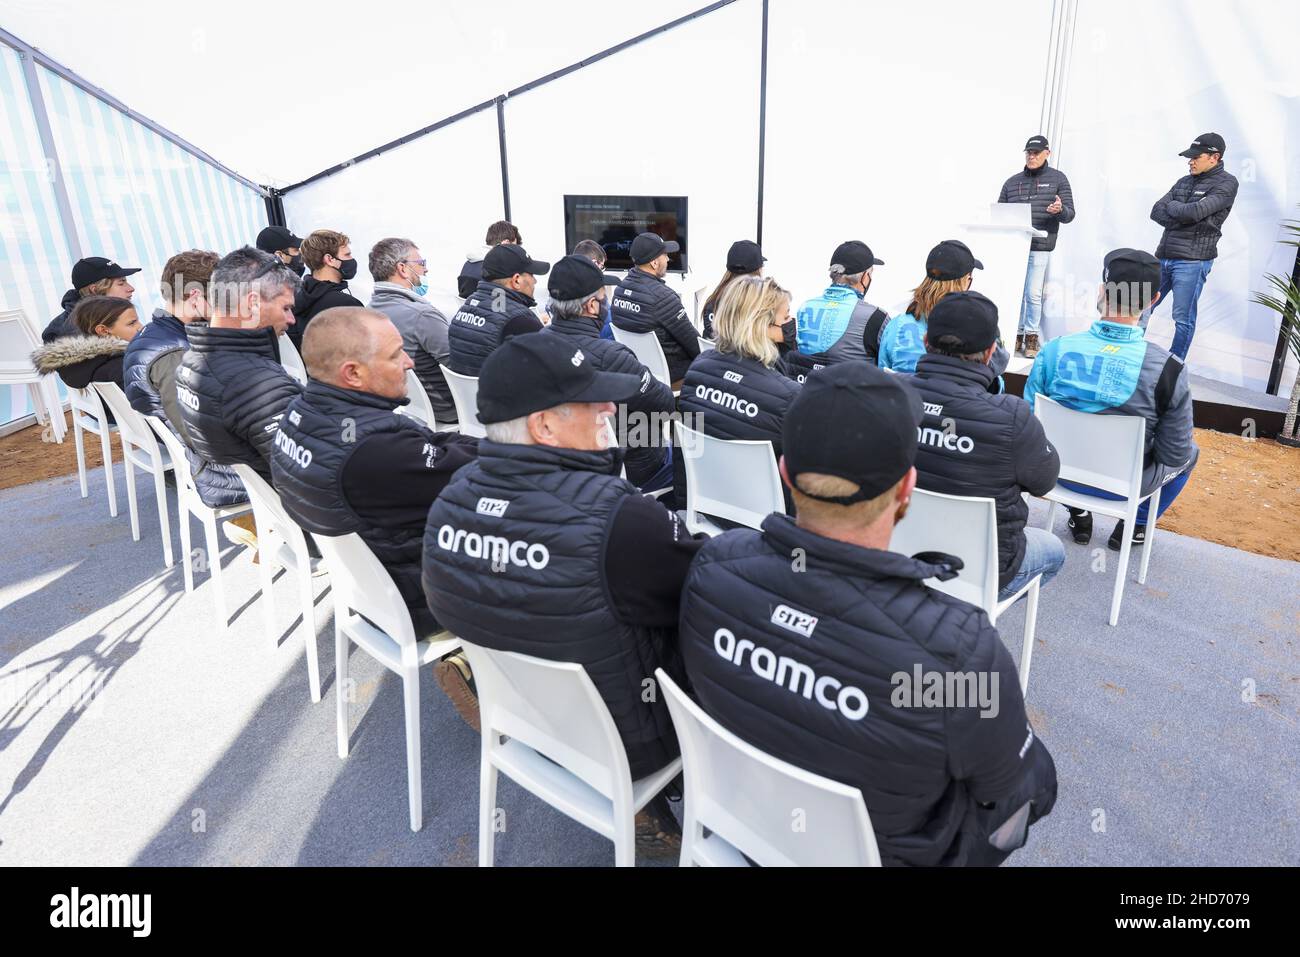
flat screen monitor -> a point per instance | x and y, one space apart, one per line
614 221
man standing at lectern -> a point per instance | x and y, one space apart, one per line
1047 191
1192 213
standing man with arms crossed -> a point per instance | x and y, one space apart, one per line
1192 213
1047 191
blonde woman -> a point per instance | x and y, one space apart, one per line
949 268
736 391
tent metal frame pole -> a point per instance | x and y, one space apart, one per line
34 56
1280 350
505 163
762 126
53 165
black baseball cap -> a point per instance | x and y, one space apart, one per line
744 256
574 277
540 370
648 246
855 256
854 421
274 238
1036 143
951 259
92 269
1205 143
1124 267
504 261
969 317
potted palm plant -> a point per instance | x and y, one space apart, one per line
1284 299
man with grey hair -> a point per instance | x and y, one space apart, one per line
840 324
231 386
343 462
399 273
540 548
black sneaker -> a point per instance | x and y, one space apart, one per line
1080 525
1117 536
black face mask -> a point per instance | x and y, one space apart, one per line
348 269
296 264
790 333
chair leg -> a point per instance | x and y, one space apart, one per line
1031 625
106 446
1121 573
624 835
266 574
187 553
214 565
130 491
309 631
487 802
692 836
1153 506
1051 514
164 520
80 443
340 681
411 700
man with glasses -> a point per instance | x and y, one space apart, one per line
1047 191
399 273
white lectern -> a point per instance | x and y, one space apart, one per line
1002 245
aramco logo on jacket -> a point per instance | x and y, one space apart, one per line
497 549
794 676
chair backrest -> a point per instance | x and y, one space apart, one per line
754 801
1104 451
645 346
731 479
268 512
17 340
86 403
447 303
552 707
706 345
176 450
131 425
464 394
419 407
957 525
291 360
361 584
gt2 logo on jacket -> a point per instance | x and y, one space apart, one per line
726 400
494 548
801 623
297 454
939 439
731 376
793 676
496 507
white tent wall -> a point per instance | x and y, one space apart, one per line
441 191
1146 78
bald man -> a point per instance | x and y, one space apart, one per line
343 461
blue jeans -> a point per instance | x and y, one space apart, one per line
1044 555
1185 278
1031 304
1167 494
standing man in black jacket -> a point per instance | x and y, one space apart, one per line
1047 191
540 548
976 442
813 642
1192 213
500 306
329 257
231 386
643 302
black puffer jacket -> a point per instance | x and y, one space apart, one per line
1039 188
645 303
809 661
232 391
315 296
81 360
1193 213
646 457
61 325
978 444
485 319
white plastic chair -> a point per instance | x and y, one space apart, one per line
291 360
464 395
746 797
282 543
648 351
18 337
968 528
189 503
732 479
88 415
532 710
140 450
419 408
1106 452
706 345
370 611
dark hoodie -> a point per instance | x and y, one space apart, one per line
61 325
314 296
81 360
